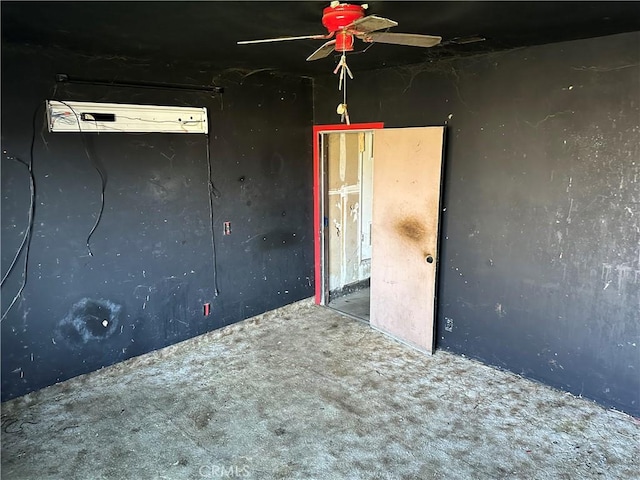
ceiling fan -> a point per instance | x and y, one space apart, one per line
345 21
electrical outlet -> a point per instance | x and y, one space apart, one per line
448 326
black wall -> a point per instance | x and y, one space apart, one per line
539 265
152 268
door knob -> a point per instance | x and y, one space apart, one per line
429 259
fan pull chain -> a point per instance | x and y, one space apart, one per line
342 85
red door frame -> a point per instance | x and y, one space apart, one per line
317 221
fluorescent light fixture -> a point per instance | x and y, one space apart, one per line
120 117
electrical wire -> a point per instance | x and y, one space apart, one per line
103 182
344 92
213 192
358 52
103 177
29 222
25 245
26 241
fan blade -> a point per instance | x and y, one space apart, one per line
323 51
284 39
410 39
371 24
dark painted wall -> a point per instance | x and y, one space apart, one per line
539 267
152 266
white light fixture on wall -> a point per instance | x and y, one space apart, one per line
119 117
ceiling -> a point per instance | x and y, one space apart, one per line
207 31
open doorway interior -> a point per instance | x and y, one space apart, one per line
347 162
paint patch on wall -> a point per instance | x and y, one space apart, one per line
89 320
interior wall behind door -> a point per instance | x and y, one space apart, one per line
343 226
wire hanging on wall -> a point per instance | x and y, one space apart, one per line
26 241
213 192
25 245
25 237
103 177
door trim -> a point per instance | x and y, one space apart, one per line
317 192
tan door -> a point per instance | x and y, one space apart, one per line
407 165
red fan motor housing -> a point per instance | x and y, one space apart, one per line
337 18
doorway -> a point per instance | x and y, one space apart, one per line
342 255
377 205
347 220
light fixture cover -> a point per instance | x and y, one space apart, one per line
120 117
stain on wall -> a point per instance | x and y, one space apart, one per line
540 240
153 265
